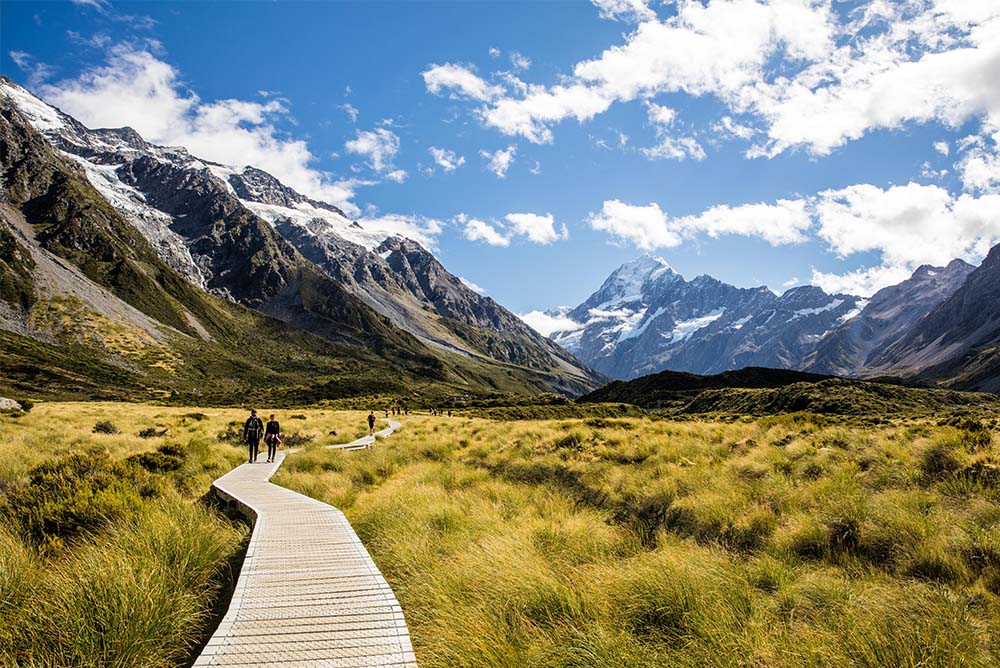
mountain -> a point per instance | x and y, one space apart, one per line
958 342
851 348
645 318
122 197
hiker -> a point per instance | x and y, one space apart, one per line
371 423
253 429
272 437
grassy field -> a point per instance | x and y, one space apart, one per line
107 557
797 540
618 542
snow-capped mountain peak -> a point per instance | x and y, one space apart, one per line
646 317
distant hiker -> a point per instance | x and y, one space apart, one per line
449 413
253 429
387 412
371 423
272 437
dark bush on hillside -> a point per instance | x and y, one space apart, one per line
152 432
26 405
297 416
976 440
939 460
232 434
105 427
296 439
197 417
76 495
168 457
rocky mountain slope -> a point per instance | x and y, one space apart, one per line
241 235
850 349
646 318
958 342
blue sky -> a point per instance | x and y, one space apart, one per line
536 146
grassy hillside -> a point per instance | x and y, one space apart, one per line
758 391
637 542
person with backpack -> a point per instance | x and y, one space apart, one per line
371 423
253 429
272 437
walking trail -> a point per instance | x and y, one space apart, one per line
309 595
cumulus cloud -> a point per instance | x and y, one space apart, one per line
380 146
461 80
798 73
446 159
499 161
519 61
478 230
546 323
908 225
624 10
350 110
421 229
643 226
134 87
861 282
539 229
648 227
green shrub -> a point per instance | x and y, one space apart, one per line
152 432
105 427
76 495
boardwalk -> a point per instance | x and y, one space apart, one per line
309 595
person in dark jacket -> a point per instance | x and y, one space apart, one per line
272 437
371 423
253 429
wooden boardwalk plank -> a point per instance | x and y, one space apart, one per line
309 594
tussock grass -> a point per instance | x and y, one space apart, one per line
106 556
622 541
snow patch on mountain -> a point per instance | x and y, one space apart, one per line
41 116
685 328
317 222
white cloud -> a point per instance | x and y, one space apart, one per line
519 61
380 146
446 159
418 228
536 169
460 79
538 229
546 323
134 87
494 52
673 148
100 5
649 227
36 70
624 10
942 147
397 176
500 160
791 282
909 225
861 282
979 167
472 286
643 226
350 110
797 72
478 230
